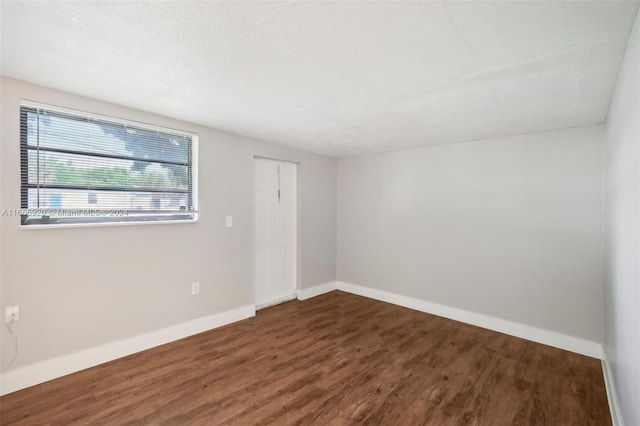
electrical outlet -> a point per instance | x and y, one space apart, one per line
228 221
12 313
195 288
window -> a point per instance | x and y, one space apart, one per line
84 168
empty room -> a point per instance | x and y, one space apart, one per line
320 213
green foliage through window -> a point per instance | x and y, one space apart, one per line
148 172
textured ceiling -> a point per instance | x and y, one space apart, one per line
338 78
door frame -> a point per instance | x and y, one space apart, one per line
298 232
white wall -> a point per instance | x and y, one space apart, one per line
82 287
622 274
510 227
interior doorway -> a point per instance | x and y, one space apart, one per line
275 231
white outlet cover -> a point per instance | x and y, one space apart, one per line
195 288
12 311
229 221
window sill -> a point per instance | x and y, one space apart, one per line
101 224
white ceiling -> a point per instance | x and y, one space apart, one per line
338 78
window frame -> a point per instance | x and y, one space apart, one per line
143 217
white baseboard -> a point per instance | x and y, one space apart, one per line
307 293
612 394
547 337
36 373
39 372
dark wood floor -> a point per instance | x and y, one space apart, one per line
331 360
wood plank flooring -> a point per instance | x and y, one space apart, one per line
336 359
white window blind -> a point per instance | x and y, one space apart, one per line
84 168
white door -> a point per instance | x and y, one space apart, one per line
275 231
